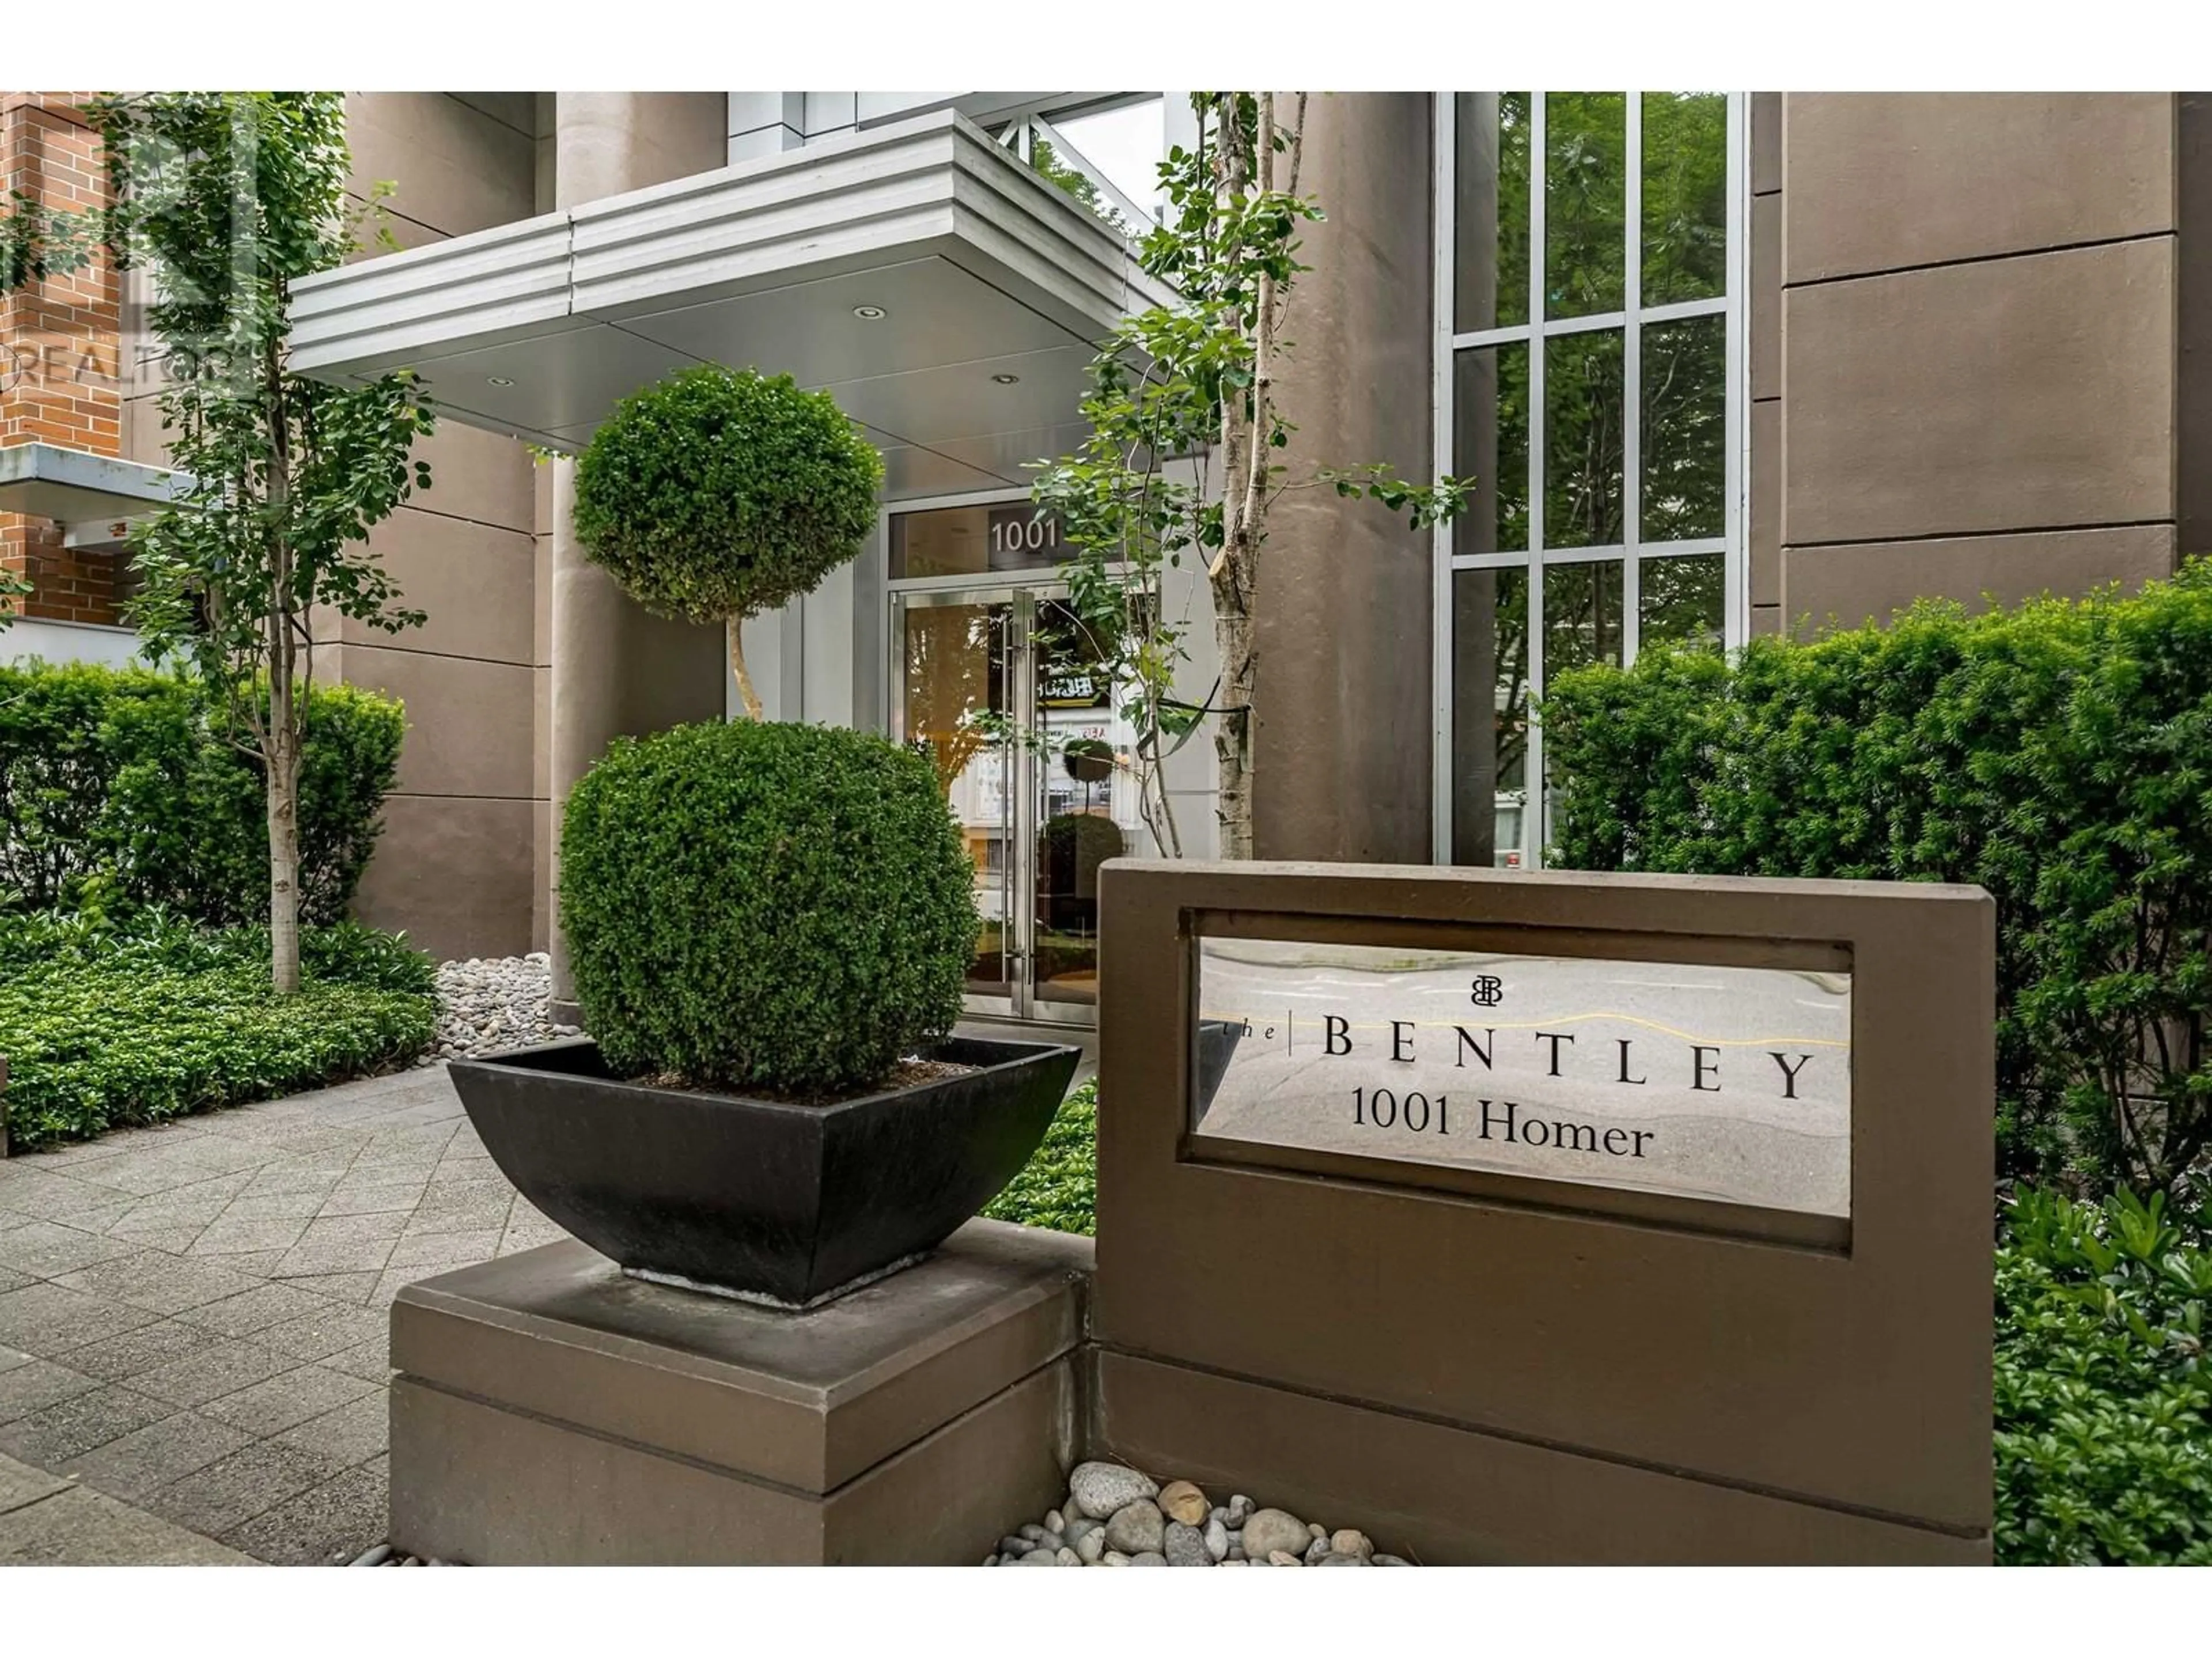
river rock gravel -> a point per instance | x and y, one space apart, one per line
1116 1516
489 1004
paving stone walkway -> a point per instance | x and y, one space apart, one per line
193 1317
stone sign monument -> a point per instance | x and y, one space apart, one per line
1553 1218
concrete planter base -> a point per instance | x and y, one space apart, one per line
551 1411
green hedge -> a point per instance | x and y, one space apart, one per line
102 1034
117 787
2104 1400
2060 755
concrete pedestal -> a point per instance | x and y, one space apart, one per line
550 1410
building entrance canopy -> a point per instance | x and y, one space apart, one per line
946 294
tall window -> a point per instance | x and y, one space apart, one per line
1590 378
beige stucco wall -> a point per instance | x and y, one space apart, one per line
455 866
1979 348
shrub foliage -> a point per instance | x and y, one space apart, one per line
765 906
2104 1397
2060 755
118 786
722 493
105 1026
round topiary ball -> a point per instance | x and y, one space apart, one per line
722 493
776 907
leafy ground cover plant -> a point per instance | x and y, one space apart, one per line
2104 1396
765 906
1059 1187
97 1041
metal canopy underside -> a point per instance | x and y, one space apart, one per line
46 481
993 286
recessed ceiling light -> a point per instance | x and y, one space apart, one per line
1007 380
869 313
497 379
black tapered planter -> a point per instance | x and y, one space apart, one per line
761 1199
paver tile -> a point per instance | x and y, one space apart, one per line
381 1199
285 1176
255 1264
459 1185
49 1320
255 1310
48 1196
354 1433
229 1234
437 1252
316 1258
12 1280
21 1484
332 1330
288 1398
473 1212
250 1481
143 1173
133 1353
36 1385
147 1459
351 1288
80 1527
47 1249
165 1211
272 1206
328 1523
385 1225
372 1360
212 1373
52 1435
11 1358
159 1283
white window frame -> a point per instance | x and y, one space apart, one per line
1732 307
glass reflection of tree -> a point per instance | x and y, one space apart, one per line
951 672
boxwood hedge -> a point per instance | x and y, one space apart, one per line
119 788
2059 754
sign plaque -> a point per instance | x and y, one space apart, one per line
1727 1084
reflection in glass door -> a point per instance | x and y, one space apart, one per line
997 689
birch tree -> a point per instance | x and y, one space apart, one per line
226 200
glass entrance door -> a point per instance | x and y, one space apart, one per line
996 689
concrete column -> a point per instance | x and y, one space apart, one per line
617 670
1342 749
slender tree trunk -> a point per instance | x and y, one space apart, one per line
1232 731
283 761
733 630
282 735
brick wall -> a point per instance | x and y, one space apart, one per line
60 379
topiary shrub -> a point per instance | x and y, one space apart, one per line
765 906
722 493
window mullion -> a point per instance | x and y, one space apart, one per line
1632 381
1533 808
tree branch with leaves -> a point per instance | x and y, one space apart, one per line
1187 449
226 200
